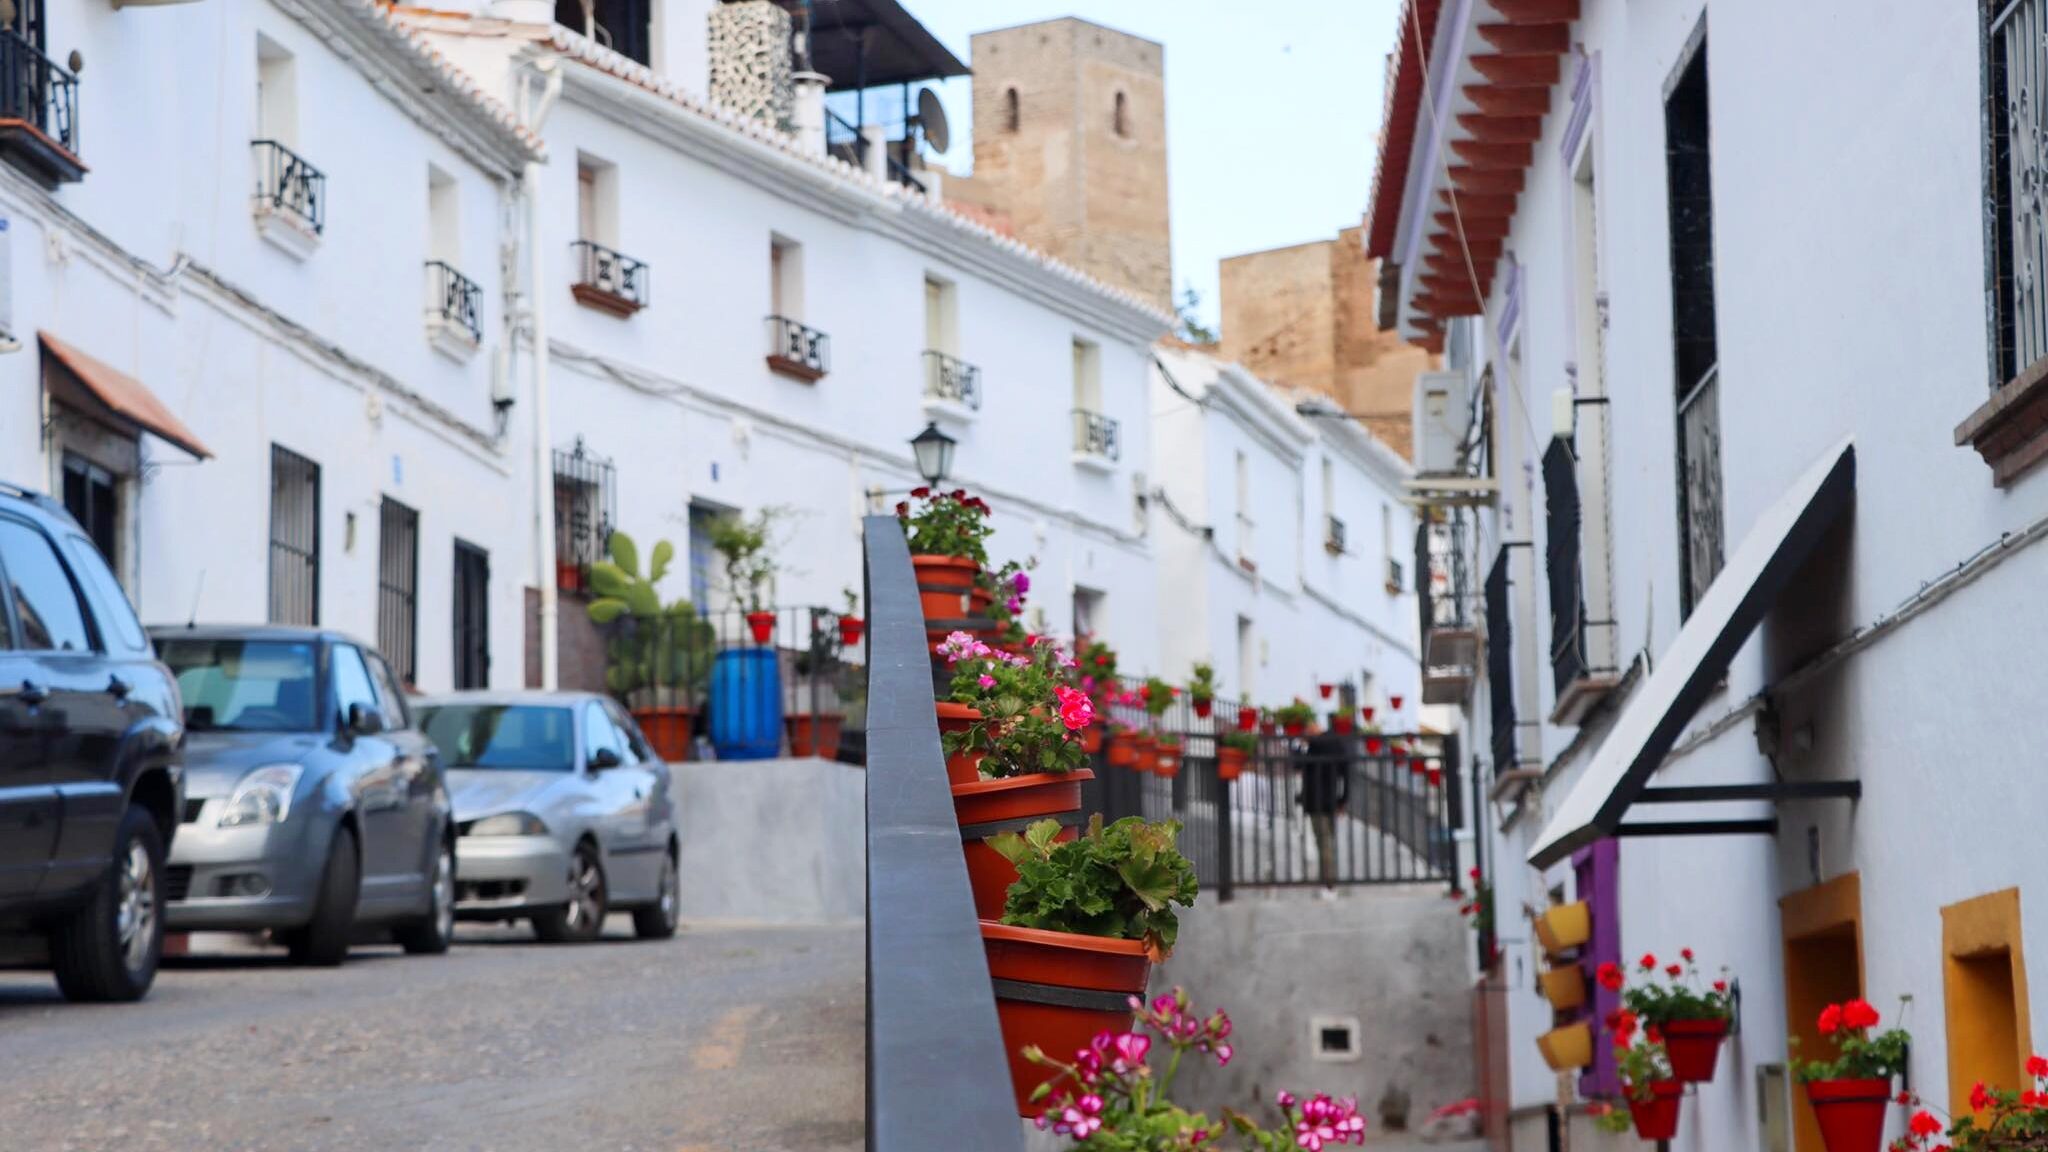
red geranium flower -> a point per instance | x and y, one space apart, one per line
1859 1014
1686 953
1674 971
1830 1019
1980 1097
1926 1123
920 492
903 507
1649 962
1610 977
2037 1066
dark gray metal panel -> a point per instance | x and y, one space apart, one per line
938 1079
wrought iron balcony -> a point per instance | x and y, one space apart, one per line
794 350
586 508
1394 574
454 301
952 380
38 113
1334 540
1096 437
289 187
610 281
1450 641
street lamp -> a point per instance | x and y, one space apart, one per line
934 451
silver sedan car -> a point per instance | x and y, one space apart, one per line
563 812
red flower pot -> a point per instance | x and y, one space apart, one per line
1657 1117
1229 762
1166 760
668 730
1694 1047
1419 766
1366 712
983 805
1091 739
1204 707
961 767
1342 724
1247 719
1294 727
1047 964
1268 728
850 628
815 735
1394 702
1326 689
945 585
1851 1113
1372 745
762 625
1145 748
1123 751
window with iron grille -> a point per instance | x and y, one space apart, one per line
1689 166
294 538
2016 199
1500 663
1561 565
585 510
472 616
398 586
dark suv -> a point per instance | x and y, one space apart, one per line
91 741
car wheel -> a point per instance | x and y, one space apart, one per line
582 916
324 941
108 950
657 921
431 934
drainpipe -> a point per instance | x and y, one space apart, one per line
543 458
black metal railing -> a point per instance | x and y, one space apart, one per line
1500 664
950 378
455 298
1096 435
613 273
932 1034
1699 491
35 90
586 510
1334 541
286 184
1561 565
1394 574
792 345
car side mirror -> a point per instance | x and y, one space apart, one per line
604 758
364 720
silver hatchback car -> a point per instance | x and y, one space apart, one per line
562 810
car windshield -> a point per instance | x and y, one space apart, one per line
519 737
244 685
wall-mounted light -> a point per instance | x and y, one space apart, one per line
934 452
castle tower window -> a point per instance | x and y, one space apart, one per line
1013 115
1120 119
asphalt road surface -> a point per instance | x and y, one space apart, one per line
721 1040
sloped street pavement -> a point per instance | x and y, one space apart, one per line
734 1039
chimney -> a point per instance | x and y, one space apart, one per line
807 115
874 150
750 64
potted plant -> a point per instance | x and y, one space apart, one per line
817 732
1000 594
1202 690
1365 713
1564 986
1562 927
1567 1047
1852 1094
1089 914
1394 702
1342 723
1247 719
748 548
2000 1120
1647 1086
1692 1018
850 623
1122 748
1326 689
948 537
1168 755
656 656
1294 718
1233 751
1023 744
1478 911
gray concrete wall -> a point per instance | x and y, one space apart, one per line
1392 958
772 841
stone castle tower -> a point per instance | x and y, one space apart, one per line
1070 148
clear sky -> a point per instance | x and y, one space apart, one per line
1271 111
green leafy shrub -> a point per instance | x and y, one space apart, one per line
946 524
1120 881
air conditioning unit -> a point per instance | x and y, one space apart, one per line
1443 415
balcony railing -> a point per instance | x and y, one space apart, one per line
586 508
1500 666
1450 642
794 350
1699 494
1394 574
454 299
1096 437
937 1074
611 281
952 380
288 186
38 112
1334 541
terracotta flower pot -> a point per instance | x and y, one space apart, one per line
1851 1113
1247 719
986 807
1091 739
1657 1117
1145 747
1123 751
1694 1047
667 730
1058 990
850 629
1564 926
1568 1047
1564 987
762 625
1342 724
569 576
945 585
961 767
1166 760
814 735
1229 762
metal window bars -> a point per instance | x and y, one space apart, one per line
454 298
1699 492
1096 435
1561 565
37 91
294 538
586 509
287 185
613 273
952 379
398 581
792 346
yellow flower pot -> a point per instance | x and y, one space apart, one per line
1564 926
1564 987
1568 1047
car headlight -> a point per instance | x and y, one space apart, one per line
508 824
262 796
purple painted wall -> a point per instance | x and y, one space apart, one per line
1595 868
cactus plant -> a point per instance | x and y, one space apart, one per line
652 646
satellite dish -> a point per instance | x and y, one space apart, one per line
931 120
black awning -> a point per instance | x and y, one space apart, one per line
871 44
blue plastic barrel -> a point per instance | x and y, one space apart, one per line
746 704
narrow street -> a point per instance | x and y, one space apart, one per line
723 1038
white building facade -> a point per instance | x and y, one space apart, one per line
1755 369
